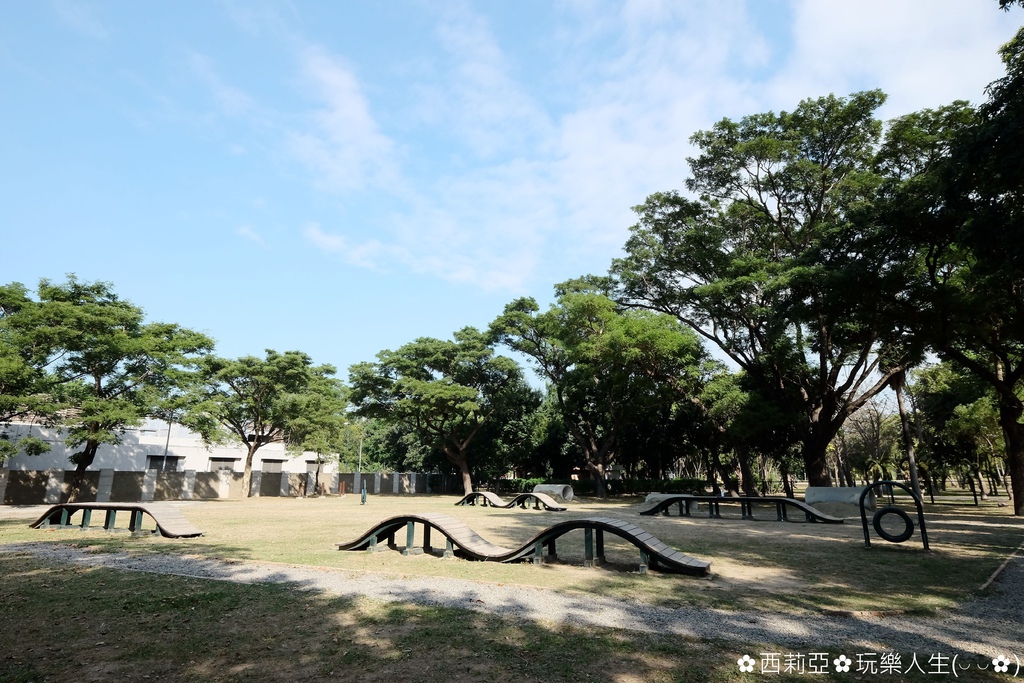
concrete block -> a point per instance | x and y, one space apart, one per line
847 496
105 486
54 484
224 484
189 485
148 486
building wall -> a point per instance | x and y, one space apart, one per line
151 439
38 487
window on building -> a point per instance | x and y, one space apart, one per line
163 463
217 464
272 466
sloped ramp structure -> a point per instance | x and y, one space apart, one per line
170 522
539 500
462 541
684 501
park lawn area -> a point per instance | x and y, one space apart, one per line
74 623
131 626
756 565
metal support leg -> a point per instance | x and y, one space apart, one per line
135 525
410 538
110 520
588 547
538 553
65 517
86 518
599 558
552 551
426 539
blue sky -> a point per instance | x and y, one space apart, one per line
343 177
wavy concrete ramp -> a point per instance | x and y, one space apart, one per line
169 520
486 498
463 541
683 502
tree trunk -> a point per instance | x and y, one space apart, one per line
747 475
813 450
83 461
458 458
597 474
1013 434
908 438
247 472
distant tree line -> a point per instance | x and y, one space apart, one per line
827 255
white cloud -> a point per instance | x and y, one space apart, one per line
247 232
922 54
481 103
366 255
230 100
532 191
342 143
82 18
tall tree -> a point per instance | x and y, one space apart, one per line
757 264
319 423
446 391
960 222
605 366
252 400
109 368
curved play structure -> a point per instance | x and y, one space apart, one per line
169 520
683 502
486 498
463 542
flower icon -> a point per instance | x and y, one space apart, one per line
746 664
1001 664
842 663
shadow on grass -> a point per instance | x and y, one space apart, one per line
131 626
117 625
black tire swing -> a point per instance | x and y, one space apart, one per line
908 524
892 510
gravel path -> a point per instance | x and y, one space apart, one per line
984 628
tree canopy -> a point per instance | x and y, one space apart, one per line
606 367
444 390
253 401
757 265
107 369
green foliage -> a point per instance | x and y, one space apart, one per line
958 224
759 265
105 368
256 401
446 392
608 369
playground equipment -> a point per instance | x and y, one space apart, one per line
892 511
486 498
462 541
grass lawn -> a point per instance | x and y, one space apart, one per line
81 624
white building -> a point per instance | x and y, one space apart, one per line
150 447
